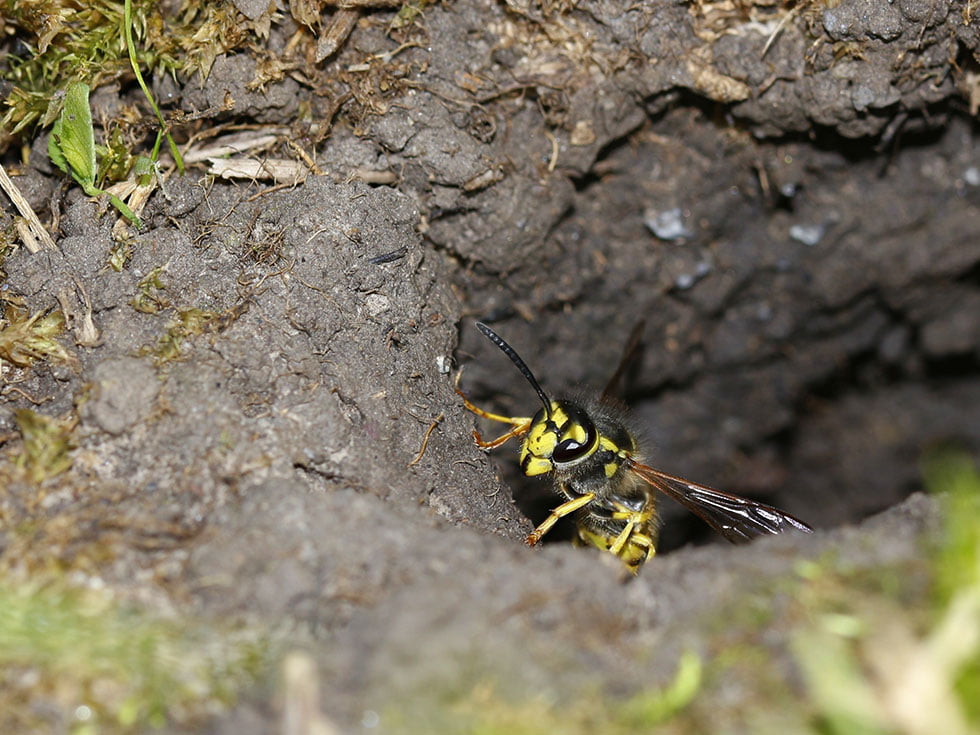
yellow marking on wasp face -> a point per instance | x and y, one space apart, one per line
537 449
607 443
611 468
575 432
537 466
540 443
541 440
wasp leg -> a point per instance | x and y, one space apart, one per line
624 536
515 420
494 443
560 512
629 535
521 424
630 541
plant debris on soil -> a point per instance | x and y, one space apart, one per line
229 436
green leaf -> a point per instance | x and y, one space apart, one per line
74 136
54 147
71 146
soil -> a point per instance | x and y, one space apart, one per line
788 200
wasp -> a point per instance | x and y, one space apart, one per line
595 461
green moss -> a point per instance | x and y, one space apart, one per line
47 443
63 40
150 297
119 256
191 322
104 667
893 656
967 686
954 477
652 707
25 339
843 699
482 710
957 633
67 40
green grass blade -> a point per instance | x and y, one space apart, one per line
131 49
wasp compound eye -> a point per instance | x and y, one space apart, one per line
570 450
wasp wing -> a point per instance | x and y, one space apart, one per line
737 519
630 353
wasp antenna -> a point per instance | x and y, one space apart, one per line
516 359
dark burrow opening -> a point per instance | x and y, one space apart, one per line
822 349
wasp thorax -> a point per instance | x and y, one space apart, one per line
558 438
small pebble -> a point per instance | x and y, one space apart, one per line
809 235
667 225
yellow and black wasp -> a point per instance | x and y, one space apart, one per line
594 458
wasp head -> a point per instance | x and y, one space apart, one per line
561 434
558 439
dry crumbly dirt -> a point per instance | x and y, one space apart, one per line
797 225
